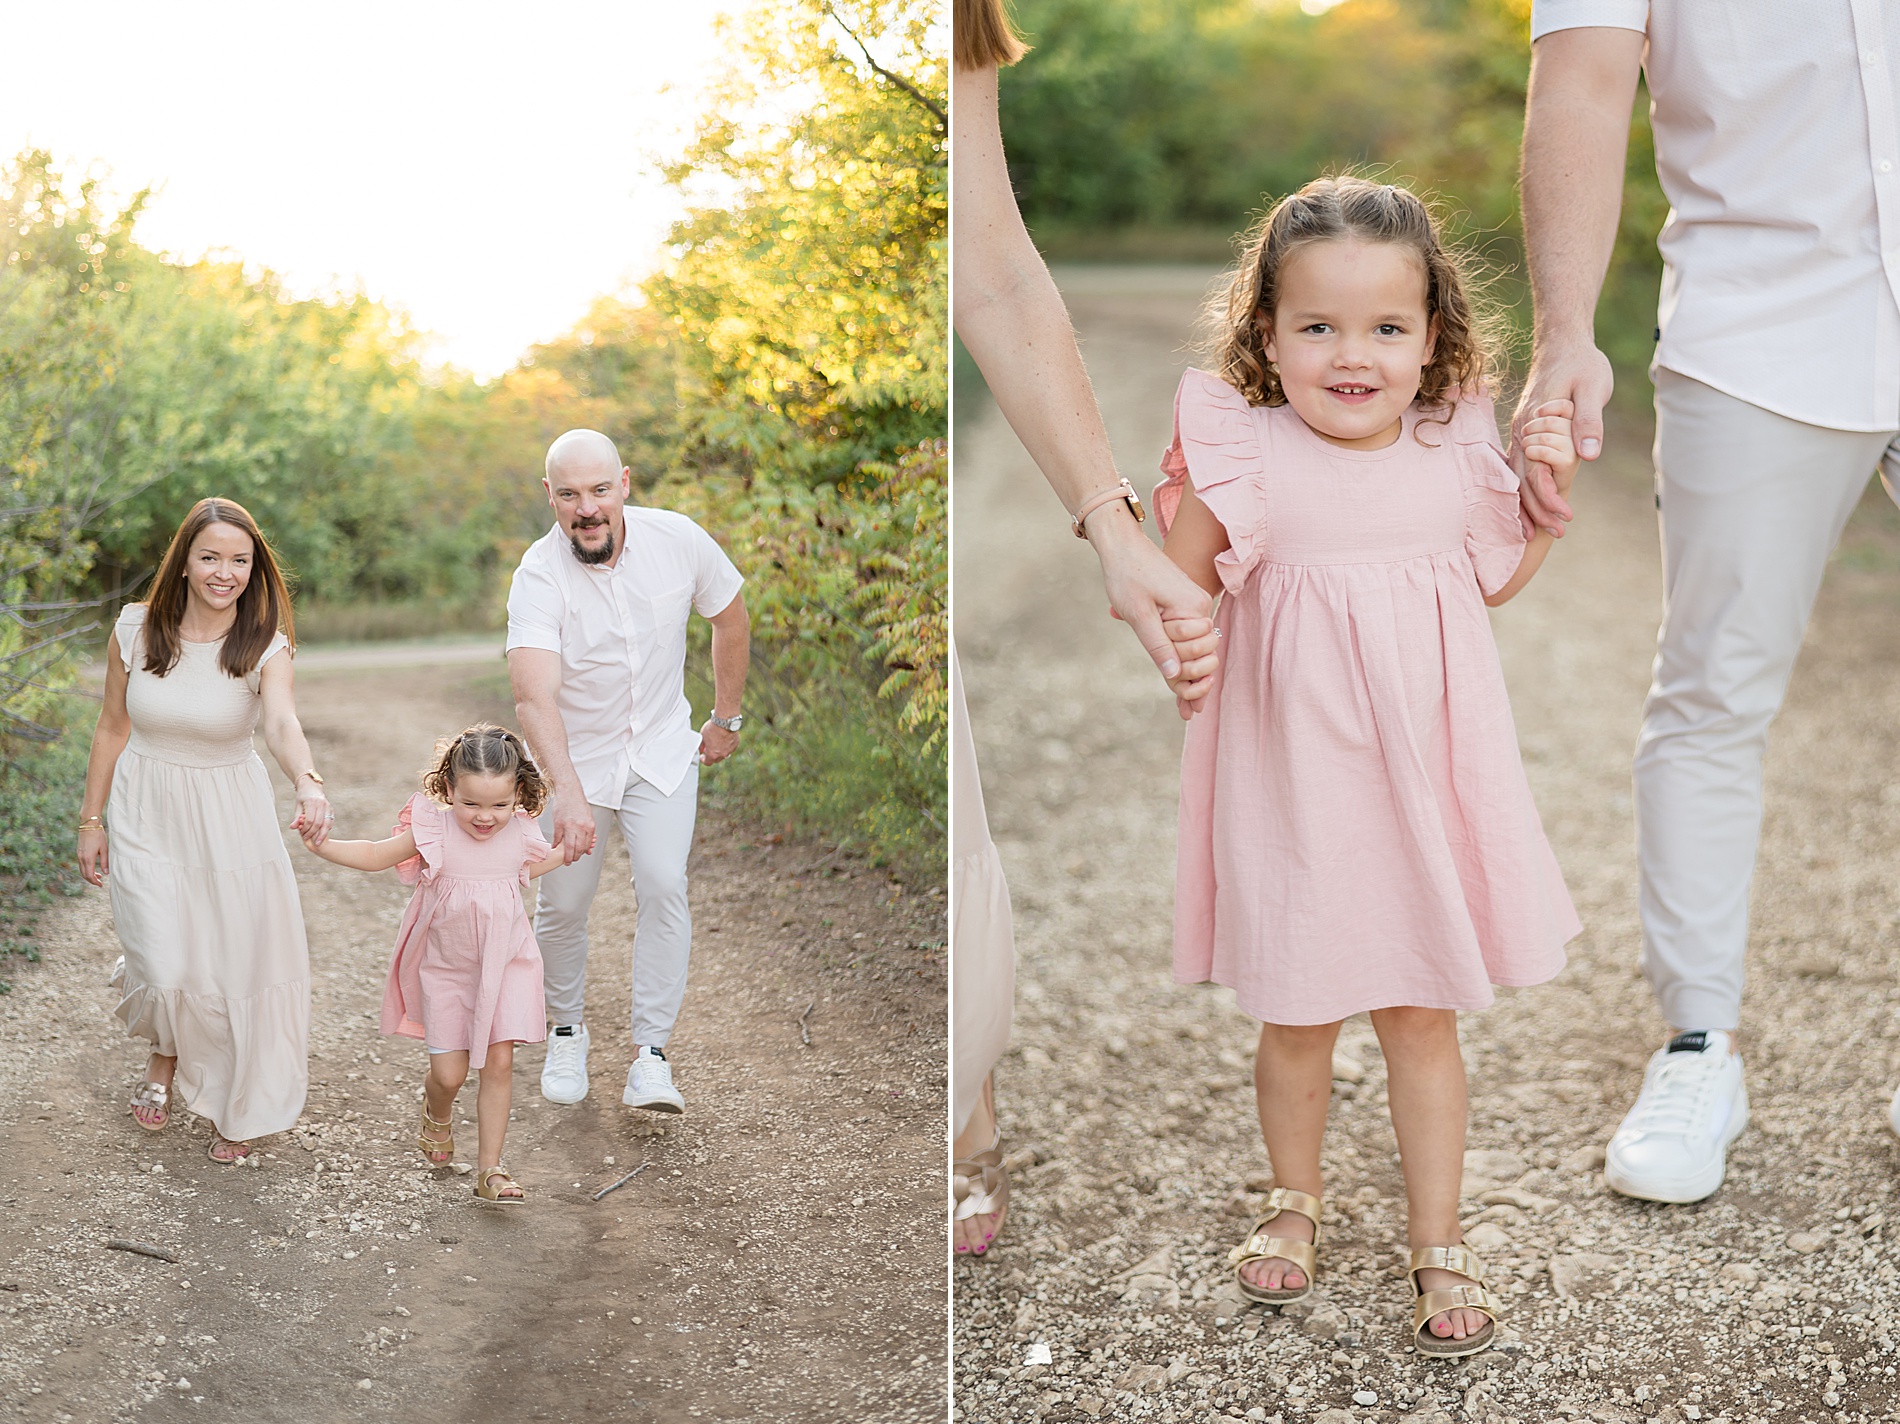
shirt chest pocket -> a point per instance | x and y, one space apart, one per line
659 619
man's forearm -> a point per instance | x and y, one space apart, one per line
1576 138
731 655
546 736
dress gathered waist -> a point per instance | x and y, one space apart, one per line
202 758
1270 562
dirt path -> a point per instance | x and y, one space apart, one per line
778 1259
1776 1299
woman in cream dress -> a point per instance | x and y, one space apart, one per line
1012 319
216 975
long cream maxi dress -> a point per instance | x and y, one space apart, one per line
982 941
216 968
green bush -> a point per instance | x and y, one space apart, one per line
40 788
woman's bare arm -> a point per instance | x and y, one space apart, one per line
283 734
109 737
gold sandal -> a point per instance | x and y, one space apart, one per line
486 1189
225 1151
431 1143
1460 1261
1260 1247
153 1098
979 1186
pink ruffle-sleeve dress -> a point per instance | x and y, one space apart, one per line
466 972
1356 830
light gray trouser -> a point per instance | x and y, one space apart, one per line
658 831
1752 504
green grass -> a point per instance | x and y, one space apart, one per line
40 788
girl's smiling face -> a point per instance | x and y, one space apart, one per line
482 803
218 568
1349 336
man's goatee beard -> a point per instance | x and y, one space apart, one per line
594 556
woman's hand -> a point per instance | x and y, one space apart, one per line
314 816
1169 612
93 855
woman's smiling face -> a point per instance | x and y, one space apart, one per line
1349 337
218 568
482 802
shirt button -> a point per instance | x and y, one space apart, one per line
1886 165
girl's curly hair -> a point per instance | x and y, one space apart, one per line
486 750
1331 209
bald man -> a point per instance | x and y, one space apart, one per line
597 656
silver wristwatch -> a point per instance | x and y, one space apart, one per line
731 724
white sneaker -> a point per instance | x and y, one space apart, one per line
564 1075
1673 1145
650 1084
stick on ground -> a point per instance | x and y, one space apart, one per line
804 1033
142 1248
616 1186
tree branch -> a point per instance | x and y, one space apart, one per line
936 110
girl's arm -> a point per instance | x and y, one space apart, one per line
108 740
1195 540
1546 442
542 867
368 855
283 734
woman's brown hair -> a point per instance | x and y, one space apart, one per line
262 609
1331 209
486 750
983 36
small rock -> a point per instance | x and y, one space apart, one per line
1258 1182
1333 1416
1177 1367
1585 1159
1581 1275
1326 1323
1806 1242
1365 1397
1347 1069
461 1169
1038 1354
1091 1406
1741 1272
1486 1168
1142 1379
364 1384
1488 1238
1519 1198
158 1169
182 1385
1832 1399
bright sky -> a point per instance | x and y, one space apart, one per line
487 167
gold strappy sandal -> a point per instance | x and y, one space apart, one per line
430 1141
1259 1246
486 1189
1460 1261
980 1185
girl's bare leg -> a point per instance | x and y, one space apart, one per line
1293 1087
492 1101
975 1234
447 1073
1425 1085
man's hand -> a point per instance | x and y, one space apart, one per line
573 824
716 743
1578 376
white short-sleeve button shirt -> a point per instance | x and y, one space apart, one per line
1776 144
621 632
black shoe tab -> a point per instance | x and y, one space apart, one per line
1695 1042
567 1031
658 1053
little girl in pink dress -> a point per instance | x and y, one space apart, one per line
1356 833
466 974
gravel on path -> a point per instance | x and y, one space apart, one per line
1127 1100
779 1259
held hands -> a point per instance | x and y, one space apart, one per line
1580 375
1547 444
1168 610
314 817
716 744
573 825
